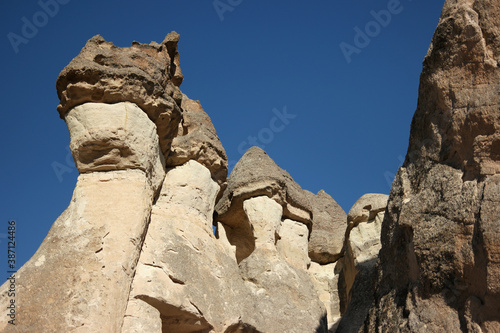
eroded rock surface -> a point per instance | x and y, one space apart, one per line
257 174
147 75
254 175
326 282
266 217
186 280
119 136
276 275
197 140
93 247
328 228
440 256
135 251
358 266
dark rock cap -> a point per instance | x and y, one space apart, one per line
256 174
328 228
198 141
147 75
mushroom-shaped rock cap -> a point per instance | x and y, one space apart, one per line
147 75
198 141
367 207
256 174
327 235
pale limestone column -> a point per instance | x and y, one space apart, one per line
293 243
186 279
80 277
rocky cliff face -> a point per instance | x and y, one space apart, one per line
440 258
157 238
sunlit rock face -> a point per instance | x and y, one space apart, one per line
266 216
93 247
329 224
120 136
123 109
186 279
197 140
440 257
135 251
145 74
157 238
357 276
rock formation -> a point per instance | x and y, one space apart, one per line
157 238
266 217
135 251
357 267
440 257
328 228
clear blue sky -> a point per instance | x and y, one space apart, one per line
352 95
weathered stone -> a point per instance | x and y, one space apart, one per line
256 174
283 291
358 266
197 140
367 207
277 286
186 280
118 136
135 250
325 279
268 263
328 228
147 75
364 240
264 218
93 247
292 243
439 262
